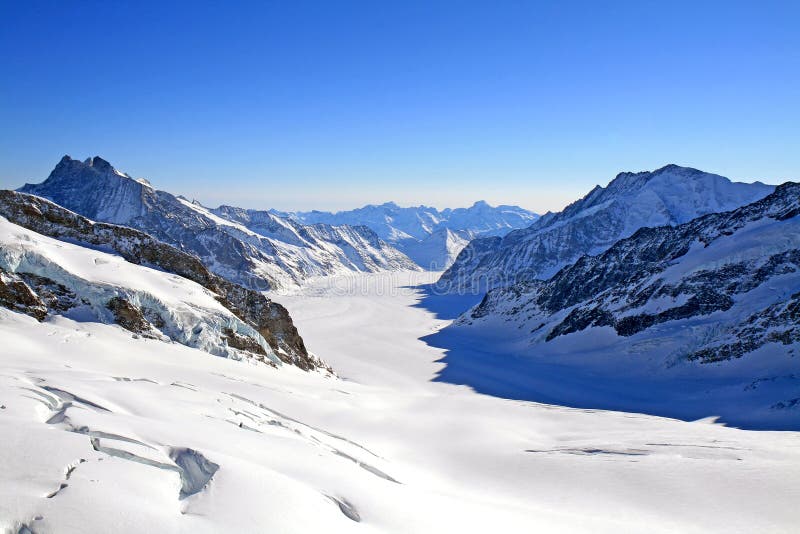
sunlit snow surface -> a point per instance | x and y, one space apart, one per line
105 433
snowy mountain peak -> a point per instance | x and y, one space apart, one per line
93 188
282 256
626 183
667 196
105 289
671 302
419 231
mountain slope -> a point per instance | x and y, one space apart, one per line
356 247
38 278
96 190
438 250
429 236
715 300
55 277
670 195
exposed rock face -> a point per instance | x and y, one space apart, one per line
128 316
56 297
284 255
16 295
270 319
668 196
242 342
741 266
34 295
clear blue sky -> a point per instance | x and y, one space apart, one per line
329 105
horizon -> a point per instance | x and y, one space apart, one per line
193 198
330 107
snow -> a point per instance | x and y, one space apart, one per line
430 237
667 196
438 250
205 212
191 313
384 444
283 256
507 351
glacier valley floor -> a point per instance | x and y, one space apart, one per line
104 432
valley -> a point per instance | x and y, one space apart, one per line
103 427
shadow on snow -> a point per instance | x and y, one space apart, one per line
484 362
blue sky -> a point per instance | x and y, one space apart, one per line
330 105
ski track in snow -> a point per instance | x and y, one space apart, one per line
106 433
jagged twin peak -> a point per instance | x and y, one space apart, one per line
256 249
709 308
431 237
667 196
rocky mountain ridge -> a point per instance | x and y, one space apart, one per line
670 195
269 322
705 313
745 261
283 258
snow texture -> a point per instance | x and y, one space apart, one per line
105 433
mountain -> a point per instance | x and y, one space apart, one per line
670 195
439 249
285 256
712 304
430 237
354 246
55 262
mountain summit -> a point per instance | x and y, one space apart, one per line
283 255
667 196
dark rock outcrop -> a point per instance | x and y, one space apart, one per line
269 318
16 295
128 316
627 288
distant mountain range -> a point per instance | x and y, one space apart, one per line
670 195
430 237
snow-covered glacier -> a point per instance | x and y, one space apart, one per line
103 432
